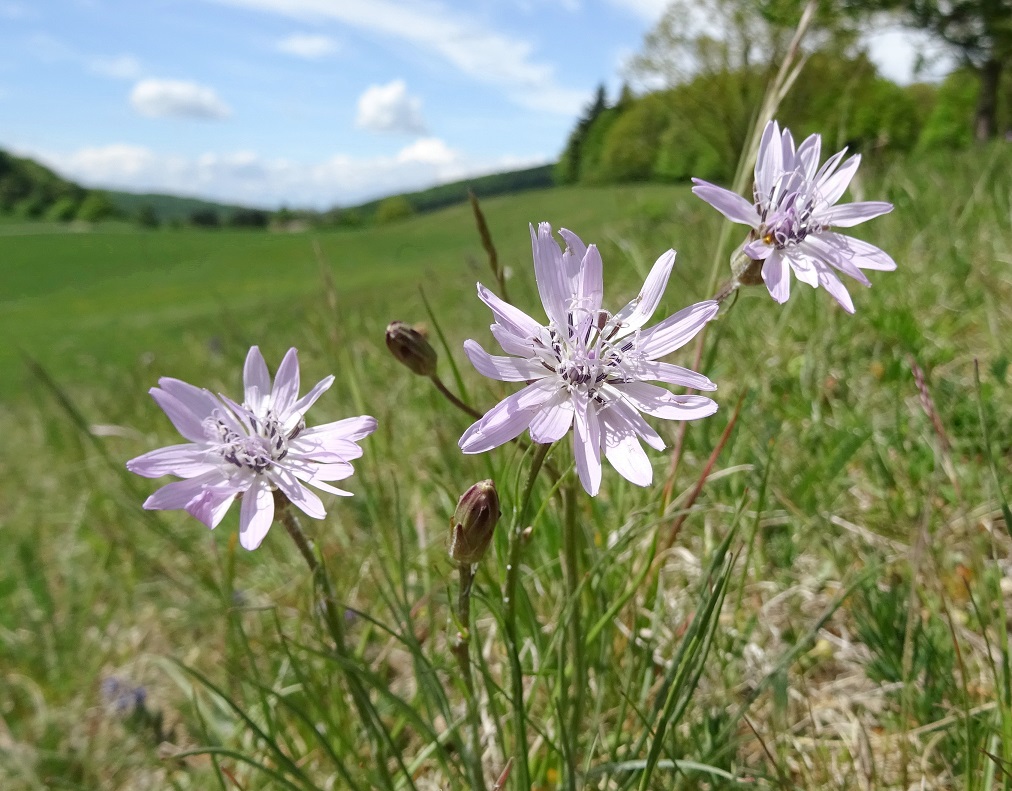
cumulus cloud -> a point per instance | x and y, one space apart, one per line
177 99
311 47
481 53
122 67
389 108
246 177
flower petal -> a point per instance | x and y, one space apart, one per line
177 494
514 344
658 402
838 291
199 401
505 369
256 382
553 420
777 276
623 450
808 155
590 280
187 422
847 215
286 385
302 406
627 415
512 319
864 255
639 310
507 419
769 161
550 274
587 446
675 331
672 374
297 494
184 461
730 204
212 504
256 514
351 428
832 187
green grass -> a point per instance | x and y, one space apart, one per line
858 613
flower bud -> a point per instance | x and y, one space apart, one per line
474 523
411 347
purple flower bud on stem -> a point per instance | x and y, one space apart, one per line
411 348
474 523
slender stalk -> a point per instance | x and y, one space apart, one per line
461 648
510 620
454 400
335 626
571 553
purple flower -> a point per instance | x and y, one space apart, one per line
250 449
794 213
588 367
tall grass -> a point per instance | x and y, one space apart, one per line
831 613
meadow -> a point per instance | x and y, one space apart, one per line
851 522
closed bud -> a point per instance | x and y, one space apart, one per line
474 523
411 347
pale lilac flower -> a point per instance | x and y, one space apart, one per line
250 449
588 367
794 213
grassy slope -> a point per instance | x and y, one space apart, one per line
857 477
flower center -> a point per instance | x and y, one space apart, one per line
583 354
266 444
787 211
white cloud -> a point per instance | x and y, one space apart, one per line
304 45
177 99
389 108
649 10
122 67
246 177
482 54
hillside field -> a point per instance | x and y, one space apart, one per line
863 639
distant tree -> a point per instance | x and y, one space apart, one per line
249 218
205 218
979 31
95 207
147 217
568 169
63 209
393 209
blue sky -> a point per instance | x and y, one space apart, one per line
310 102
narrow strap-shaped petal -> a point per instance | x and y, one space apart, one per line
351 428
198 400
256 514
511 318
507 419
730 204
297 494
302 406
677 330
513 344
187 422
178 493
553 419
623 450
286 385
505 369
625 412
839 259
184 461
672 374
847 215
550 274
808 155
212 504
639 310
768 164
590 280
861 253
587 446
256 381
803 266
658 402
832 187
777 277
838 291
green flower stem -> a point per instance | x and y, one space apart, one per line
461 648
454 400
335 625
510 619
571 553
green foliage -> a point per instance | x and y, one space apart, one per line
63 209
28 189
205 218
630 146
393 209
950 125
147 216
95 207
567 170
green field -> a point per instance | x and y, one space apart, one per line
862 641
